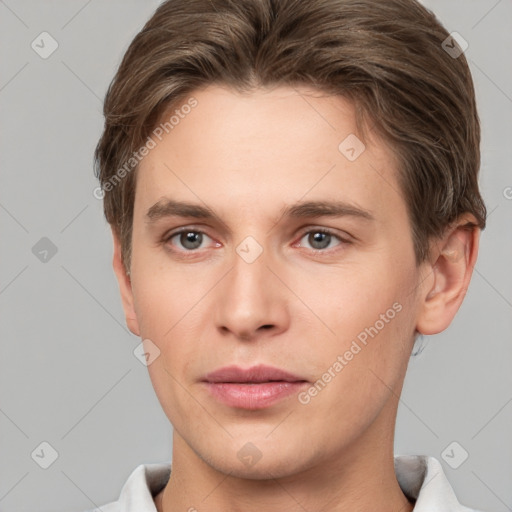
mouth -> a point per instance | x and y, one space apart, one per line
257 387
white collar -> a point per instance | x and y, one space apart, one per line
421 478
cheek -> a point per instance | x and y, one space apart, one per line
348 299
369 313
361 370
162 299
171 311
165 309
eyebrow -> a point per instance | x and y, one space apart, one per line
306 209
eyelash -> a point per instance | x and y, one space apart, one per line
191 252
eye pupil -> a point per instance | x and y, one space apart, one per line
191 239
319 240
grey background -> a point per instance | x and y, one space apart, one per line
68 375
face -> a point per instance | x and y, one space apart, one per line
273 272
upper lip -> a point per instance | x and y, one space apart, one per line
254 374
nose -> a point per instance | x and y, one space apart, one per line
251 302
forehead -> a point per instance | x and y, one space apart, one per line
266 147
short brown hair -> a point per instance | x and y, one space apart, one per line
386 57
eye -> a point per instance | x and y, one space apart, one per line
188 239
320 239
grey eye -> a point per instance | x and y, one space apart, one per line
190 239
318 240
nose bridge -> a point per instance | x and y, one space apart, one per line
249 299
249 274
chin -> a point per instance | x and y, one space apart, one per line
262 470
259 460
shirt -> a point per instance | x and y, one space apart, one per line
421 478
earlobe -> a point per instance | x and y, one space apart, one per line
454 257
125 287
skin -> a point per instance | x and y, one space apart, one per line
297 306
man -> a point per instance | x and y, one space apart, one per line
292 190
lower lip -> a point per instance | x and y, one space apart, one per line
253 396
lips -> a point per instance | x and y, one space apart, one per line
253 388
254 375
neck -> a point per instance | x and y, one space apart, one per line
358 479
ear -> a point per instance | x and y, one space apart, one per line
125 287
448 275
